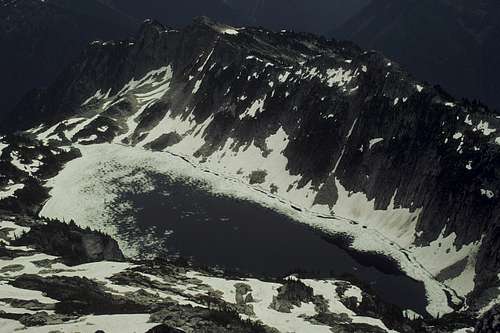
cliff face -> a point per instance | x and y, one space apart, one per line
324 124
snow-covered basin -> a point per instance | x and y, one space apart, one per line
155 202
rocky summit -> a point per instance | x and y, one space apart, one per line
338 138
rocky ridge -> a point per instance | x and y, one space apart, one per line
39 38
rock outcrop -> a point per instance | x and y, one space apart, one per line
490 322
75 245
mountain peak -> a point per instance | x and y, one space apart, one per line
203 20
150 26
206 22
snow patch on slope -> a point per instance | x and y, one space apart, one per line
263 293
256 108
375 141
443 253
10 190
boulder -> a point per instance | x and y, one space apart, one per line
74 244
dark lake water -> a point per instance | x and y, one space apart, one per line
241 235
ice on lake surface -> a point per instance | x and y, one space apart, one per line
235 234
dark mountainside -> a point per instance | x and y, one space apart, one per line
453 43
39 38
438 154
457 46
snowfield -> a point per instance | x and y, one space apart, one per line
82 191
129 323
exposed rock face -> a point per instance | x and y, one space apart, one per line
163 329
164 141
340 325
205 320
347 127
24 165
74 245
490 322
291 294
78 295
43 318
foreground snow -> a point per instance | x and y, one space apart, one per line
182 286
129 323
